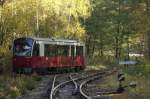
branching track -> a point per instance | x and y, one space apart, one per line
71 86
74 86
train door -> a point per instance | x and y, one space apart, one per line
63 53
79 55
50 53
38 55
79 59
36 59
36 49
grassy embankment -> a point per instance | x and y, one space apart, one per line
13 87
139 73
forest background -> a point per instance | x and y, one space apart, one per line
112 30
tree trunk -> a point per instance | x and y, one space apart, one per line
101 50
147 35
88 42
147 46
117 48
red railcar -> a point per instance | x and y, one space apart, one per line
43 54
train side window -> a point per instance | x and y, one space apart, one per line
36 50
50 50
63 50
72 50
79 50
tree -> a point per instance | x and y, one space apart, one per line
43 18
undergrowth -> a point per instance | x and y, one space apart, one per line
138 73
14 87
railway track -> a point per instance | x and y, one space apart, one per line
72 88
93 94
56 88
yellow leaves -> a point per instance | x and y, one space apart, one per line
68 11
23 28
85 6
58 18
80 31
135 39
67 7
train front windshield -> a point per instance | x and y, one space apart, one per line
22 47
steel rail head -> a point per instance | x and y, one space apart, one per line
56 87
96 76
53 85
81 91
75 83
83 83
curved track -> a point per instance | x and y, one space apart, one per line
88 81
75 82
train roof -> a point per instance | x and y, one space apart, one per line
57 40
52 40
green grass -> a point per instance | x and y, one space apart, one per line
10 87
139 73
13 88
109 82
